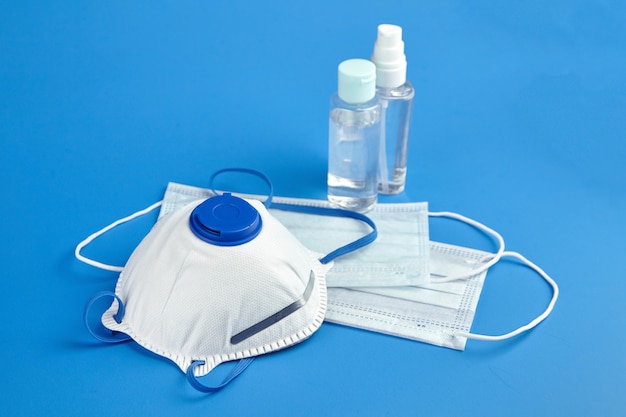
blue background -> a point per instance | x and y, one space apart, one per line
519 121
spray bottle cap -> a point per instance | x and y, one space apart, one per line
356 80
389 57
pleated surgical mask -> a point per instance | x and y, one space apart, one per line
433 312
440 313
219 280
438 310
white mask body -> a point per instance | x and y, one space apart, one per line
186 299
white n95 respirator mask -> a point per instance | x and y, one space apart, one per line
218 280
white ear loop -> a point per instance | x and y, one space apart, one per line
533 323
100 232
496 256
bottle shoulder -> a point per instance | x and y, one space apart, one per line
403 92
369 106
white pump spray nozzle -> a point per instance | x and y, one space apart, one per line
389 57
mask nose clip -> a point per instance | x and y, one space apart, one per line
225 220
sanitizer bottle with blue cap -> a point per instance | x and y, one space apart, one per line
396 101
354 137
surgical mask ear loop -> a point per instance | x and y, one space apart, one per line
102 231
254 172
492 260
533 323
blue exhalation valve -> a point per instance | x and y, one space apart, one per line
225 220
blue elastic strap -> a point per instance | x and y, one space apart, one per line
111 337
254 172
323 211
195 382
351 247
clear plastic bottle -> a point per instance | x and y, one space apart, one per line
396 99
354 135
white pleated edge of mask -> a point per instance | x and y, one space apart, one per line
433 313
399 256
319 297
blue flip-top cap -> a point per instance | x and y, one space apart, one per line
225 220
